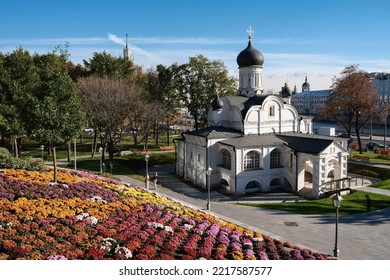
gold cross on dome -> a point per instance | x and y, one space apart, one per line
250 31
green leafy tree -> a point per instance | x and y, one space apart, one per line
198 81
18 80
160 86
106 65
54 113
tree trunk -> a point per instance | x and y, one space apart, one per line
94 143
110 148
135 139
69 151
54 164
146 141
156 133
16 148
168 131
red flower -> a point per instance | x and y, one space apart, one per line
95 254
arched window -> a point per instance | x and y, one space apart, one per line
275 182
275 158
252 186
331 174
252 160
226 159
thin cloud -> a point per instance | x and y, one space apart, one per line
45 41
116 39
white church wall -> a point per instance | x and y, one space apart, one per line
180 153
195 160
250 79
225 173
306 126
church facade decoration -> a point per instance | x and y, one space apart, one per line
259 143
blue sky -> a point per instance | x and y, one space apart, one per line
297 38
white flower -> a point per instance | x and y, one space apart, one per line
168 229
81 216
97 198
156 225
93 220
124 251
258 239
85 215
107 244
188 226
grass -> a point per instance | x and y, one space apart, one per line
128 166
352 204
384 185
373 157
368 170
31 148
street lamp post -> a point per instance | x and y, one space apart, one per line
147 172
385 125
337 203
42 148
208 173
75 155
385 103
101 159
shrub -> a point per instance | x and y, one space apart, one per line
383 154
4 155
355 147
24 163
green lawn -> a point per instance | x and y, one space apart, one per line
384 185
128 166
369 170
351 204
373 157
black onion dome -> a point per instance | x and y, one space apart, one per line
250 57
217 103
286 92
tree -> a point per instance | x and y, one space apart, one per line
54 112
18 79
107 102
161 89
104 64
352 101
198 81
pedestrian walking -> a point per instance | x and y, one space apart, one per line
155 180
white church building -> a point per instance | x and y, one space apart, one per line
259 143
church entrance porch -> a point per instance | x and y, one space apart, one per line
305 174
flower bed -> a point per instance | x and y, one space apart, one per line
86 216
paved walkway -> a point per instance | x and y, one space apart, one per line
363 236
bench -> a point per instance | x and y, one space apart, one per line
361 158
167 148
